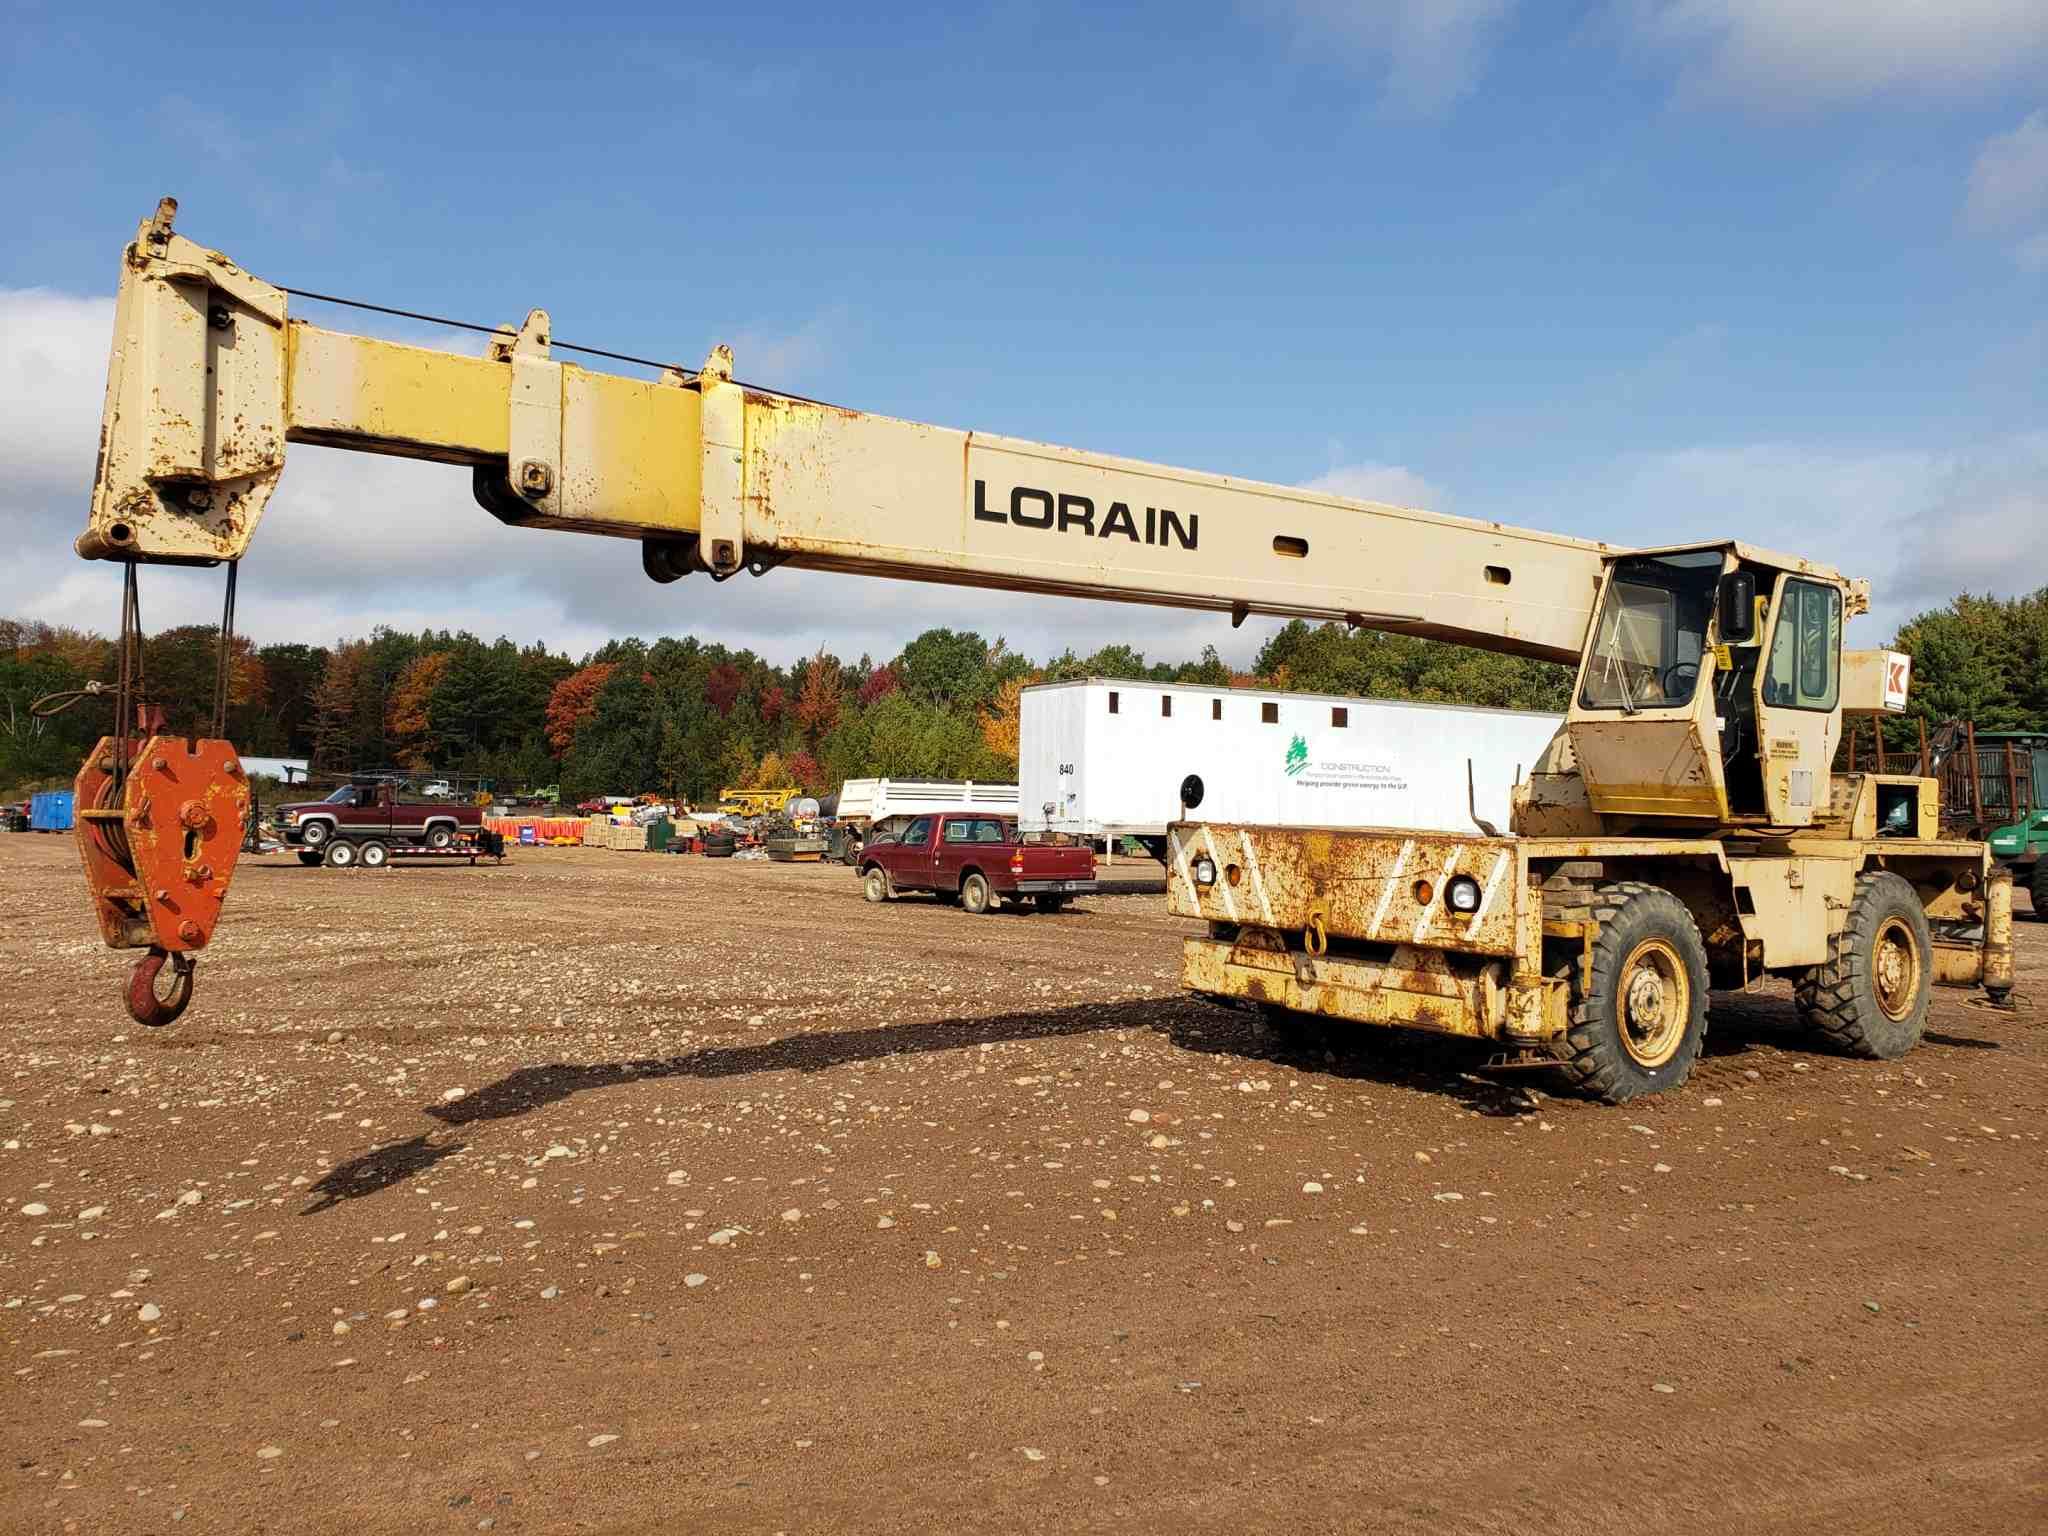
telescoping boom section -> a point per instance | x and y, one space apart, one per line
212 378
1686 829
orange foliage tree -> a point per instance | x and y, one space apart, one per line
818 696
573 702
408 714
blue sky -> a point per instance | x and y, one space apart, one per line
1642 270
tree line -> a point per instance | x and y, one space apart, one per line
688 717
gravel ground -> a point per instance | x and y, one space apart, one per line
615 1192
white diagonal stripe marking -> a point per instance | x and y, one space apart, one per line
1379 913
1486 897
1251 862
1437 895
1222 885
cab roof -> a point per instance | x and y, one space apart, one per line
1856 590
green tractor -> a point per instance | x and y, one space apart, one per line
2012 797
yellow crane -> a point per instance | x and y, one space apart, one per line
1684 830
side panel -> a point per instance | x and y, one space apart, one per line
1793 905
1371 885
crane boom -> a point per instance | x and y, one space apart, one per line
211 377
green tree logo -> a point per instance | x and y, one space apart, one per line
1297 756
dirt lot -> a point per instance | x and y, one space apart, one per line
613 1192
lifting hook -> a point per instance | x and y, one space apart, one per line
144 1006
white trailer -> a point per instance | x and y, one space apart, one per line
1106 758
873 800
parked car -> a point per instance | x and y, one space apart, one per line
977 857
370 810
440 789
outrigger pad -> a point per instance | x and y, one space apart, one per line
159 859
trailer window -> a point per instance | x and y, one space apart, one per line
1112 701
1166 706
1806 648
1340 718
1269 714
1215 709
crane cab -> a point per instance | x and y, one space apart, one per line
1710 690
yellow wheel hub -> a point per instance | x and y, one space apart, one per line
1656 1003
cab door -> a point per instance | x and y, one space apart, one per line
1798 694
909 858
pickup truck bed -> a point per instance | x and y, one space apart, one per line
978 858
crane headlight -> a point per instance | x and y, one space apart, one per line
1462 894
1204 870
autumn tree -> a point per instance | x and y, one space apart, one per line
882 682
818 697
334 705
1001 723
408 716
573 702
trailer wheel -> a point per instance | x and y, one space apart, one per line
373 854
875 884
341 854
316 834
440 836
1639 1006
975 894
2037 887
1870 995
309 856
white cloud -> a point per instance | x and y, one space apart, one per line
2009 190
1793 53
1919 525
353 540
1393 483
2009 181
1424 54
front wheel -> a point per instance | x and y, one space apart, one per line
975 894
1639 1010
341 854
316 834
1870 995
874 885
309 856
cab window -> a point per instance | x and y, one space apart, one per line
919 831
1805 668
1651 632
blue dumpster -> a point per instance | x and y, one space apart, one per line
49 810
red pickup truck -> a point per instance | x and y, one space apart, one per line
978 858
370 810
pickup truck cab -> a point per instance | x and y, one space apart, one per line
370 809
978 858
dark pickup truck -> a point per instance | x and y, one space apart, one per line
978 858
371 811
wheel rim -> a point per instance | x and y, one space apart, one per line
1655 1003
1895 968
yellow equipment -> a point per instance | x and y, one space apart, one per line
1685 829
756 802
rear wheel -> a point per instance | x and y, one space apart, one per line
1870 996
874 885
373 854
1639 1008
1049 903
440 836
975 894
2037 887
341 854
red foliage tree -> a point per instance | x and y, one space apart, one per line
881 682
574 701
722 687
801 768
773 702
